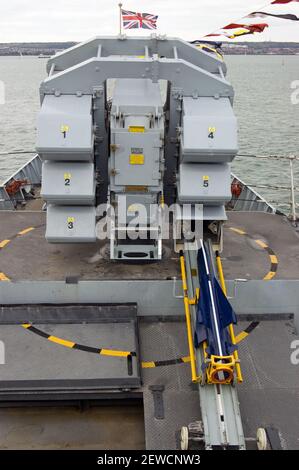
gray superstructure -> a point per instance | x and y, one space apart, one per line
86 317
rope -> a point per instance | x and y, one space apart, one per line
18 152
247 155
273 157
270 186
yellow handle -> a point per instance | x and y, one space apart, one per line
195 377
231 327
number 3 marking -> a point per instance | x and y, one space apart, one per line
70 223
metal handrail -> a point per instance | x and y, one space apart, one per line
292 188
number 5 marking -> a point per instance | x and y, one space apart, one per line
206 181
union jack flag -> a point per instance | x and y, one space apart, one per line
132 20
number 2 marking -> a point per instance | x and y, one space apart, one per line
67 179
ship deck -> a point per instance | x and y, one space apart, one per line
256 246
268 397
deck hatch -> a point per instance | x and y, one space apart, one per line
59 344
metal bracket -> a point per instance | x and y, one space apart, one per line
157 391
98 92
72 279
195 300
177 93
273 438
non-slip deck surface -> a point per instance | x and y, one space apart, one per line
268 396
256 246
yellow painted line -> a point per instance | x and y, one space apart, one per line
3 277
261 243
237 230
62 342
153 364
186 359
148 365
273 258
4 243
102 352
111 352
26 230
269 276
241 336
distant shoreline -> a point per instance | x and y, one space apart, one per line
238 48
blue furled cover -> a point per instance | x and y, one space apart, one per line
205 322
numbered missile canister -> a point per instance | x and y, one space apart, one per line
70 224
68 183
209 131
65 128
204 183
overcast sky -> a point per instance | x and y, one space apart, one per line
77 20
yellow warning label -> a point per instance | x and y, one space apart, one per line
64 128
136 159
137 189
137 129
67 176
212 129
70 220
206 178
134 208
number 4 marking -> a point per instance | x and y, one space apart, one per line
212 131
